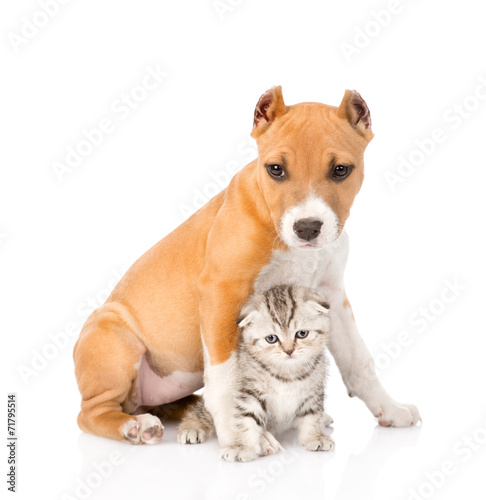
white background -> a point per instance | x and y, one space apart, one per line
64 241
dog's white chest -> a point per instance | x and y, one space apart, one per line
321 269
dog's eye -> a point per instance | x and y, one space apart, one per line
302 334
340 172
276 171
271 339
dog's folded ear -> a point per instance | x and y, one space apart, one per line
270 106
354 109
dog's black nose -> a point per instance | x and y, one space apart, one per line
307 229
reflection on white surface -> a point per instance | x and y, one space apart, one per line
198 472
362 470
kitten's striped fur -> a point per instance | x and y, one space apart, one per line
279 384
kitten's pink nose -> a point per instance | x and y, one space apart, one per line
290 351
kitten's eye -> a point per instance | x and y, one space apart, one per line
340 172
271 339
302 334
276 171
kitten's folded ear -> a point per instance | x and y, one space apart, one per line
248 313
319 303
245 319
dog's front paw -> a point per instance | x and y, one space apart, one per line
143 429
397 415
239 454
319 443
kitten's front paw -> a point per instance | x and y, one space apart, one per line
239 454
191 436
269 444
327 420
396 415
321 443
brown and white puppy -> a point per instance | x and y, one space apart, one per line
280 221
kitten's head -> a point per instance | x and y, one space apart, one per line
285 327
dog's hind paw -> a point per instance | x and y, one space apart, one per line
143 429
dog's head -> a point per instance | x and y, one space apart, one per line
310 164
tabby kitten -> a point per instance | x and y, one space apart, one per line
281 371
